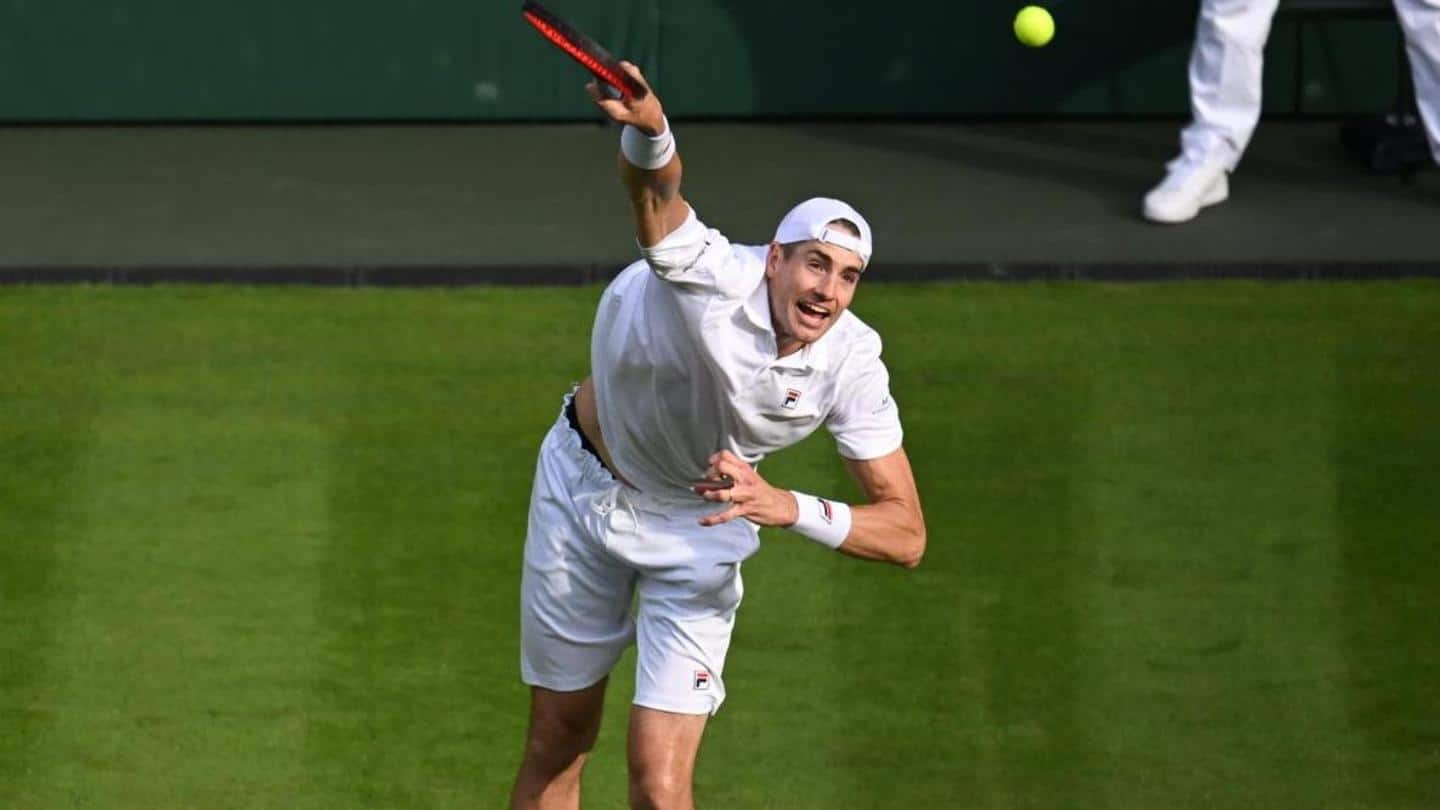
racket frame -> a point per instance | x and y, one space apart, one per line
605 67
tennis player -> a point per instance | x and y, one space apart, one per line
705 357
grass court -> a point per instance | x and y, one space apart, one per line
260 547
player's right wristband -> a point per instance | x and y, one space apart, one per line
825 522
646 152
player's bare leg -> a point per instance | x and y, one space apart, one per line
663 747
563 727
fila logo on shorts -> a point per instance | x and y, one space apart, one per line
792 396
702 679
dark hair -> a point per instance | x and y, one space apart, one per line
788 249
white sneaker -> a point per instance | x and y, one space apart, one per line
1188 186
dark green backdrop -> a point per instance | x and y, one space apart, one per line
99 60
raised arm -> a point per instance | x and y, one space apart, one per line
654 192
888 528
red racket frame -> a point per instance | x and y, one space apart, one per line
582 49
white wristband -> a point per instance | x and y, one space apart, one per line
825 522
646 152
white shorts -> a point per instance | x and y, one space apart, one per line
593 547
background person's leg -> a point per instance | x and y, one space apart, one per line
1420 20
563 727
1226 77
662 750
1226 72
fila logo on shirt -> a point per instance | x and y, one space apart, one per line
792 396
702 680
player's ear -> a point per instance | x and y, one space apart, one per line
772 260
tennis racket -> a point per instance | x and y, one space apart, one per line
614 81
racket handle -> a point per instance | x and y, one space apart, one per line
609 90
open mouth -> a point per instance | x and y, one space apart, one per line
812 315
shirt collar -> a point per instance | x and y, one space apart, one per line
757 306
815 355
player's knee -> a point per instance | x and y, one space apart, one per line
659 789
559 739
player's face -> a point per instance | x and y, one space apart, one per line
809 290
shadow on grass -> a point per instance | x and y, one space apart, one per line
46 426
1387 460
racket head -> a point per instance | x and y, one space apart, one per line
582 49
704 485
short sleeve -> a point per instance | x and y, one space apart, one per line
865 420
700 259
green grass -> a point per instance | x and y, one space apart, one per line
260 548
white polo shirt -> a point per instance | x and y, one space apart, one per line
683 356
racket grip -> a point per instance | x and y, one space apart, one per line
609 90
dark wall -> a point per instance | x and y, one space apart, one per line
99 60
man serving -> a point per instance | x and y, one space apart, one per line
706 356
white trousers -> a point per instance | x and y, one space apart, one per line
607 566
1228 57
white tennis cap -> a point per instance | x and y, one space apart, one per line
810 220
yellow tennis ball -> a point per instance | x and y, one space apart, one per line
1034 26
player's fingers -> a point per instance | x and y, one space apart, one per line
629 67
733 467
718 462
592 89
611 106
718 495
718 458
722 517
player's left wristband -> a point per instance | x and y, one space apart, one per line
646 152
825 522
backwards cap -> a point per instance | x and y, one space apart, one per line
810 220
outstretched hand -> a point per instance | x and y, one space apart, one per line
645 114
752 497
